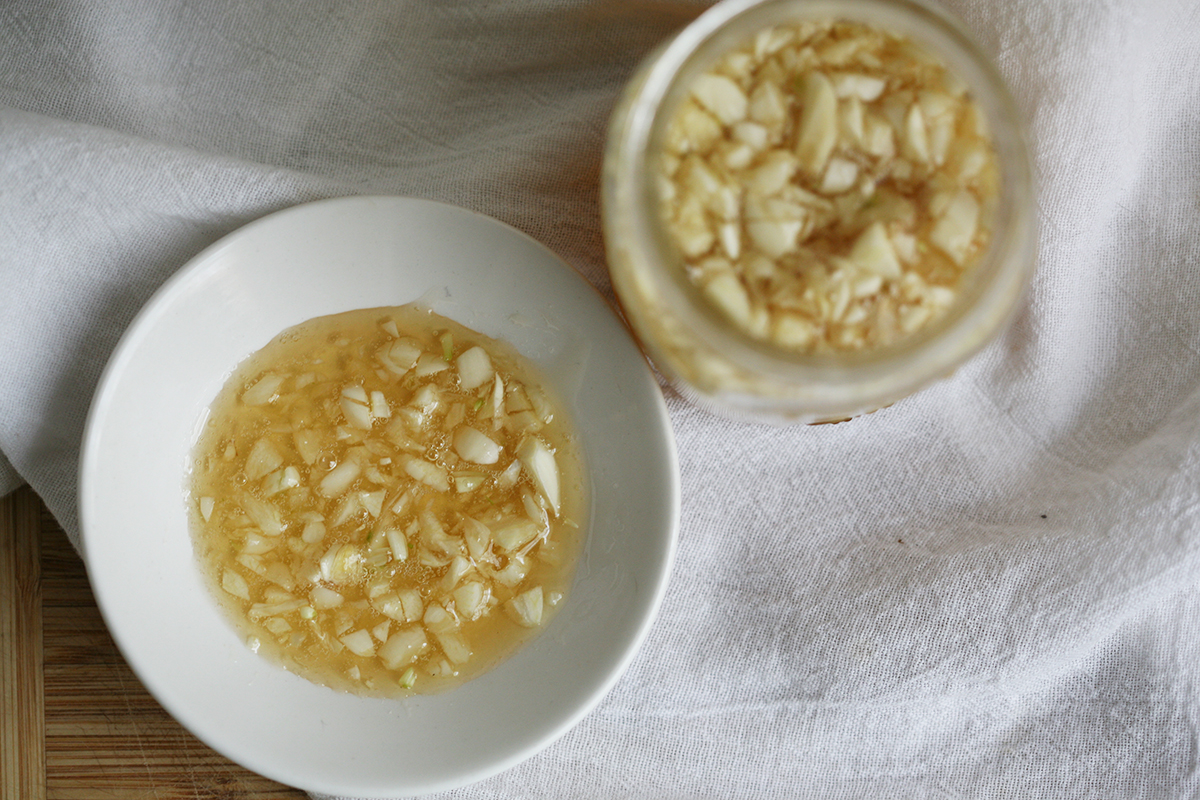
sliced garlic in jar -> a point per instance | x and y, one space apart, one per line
863 150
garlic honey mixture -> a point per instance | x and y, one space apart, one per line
828 186
387 502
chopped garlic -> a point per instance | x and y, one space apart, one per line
474 368
402 647
379 406
812 170
526 608
235 584
840 175
339 479
955 230
454 646
864 87
721 97
542 467
263 458
359 642
323 598
473 446
818 122
328 510
427 473
470 599
264 391
356 407
872 252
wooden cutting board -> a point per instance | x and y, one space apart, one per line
75 722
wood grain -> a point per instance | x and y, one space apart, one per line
102 734
22 731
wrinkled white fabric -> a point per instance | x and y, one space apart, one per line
988 590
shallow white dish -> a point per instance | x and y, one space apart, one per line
323 258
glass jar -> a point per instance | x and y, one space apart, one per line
716 364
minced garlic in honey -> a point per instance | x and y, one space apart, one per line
387 502
828 185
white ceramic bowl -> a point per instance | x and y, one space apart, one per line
323 258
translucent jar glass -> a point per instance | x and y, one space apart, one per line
718 365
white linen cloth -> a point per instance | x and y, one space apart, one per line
988 590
